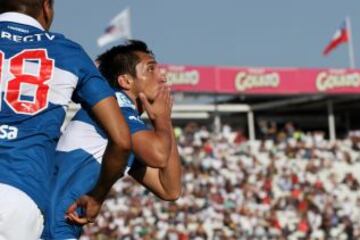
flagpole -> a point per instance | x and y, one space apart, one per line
351 47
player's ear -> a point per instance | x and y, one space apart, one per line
125 81
47 13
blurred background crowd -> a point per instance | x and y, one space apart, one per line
290 184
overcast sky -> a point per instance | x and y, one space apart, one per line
259 33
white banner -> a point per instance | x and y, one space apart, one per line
119 27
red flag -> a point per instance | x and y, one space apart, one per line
341 36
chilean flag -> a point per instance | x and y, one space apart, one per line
341 36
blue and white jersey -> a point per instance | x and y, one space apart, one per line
78 161
40 73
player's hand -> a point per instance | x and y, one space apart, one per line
161 107
91 208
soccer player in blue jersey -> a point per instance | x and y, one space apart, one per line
40 73
133 72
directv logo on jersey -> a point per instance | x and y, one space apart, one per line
29 38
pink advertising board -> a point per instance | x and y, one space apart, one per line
267 81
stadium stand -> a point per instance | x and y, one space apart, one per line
291 184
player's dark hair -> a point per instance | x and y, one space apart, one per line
120 60
28 7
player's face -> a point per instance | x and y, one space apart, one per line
149 78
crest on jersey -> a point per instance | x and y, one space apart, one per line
124 100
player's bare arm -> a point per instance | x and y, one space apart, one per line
164 182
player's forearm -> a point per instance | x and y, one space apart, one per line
112 168
163 182
170 176
162 142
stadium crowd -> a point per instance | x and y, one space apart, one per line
289 185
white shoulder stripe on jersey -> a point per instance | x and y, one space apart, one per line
62 85
81 135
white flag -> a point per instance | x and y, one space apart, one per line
119 27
